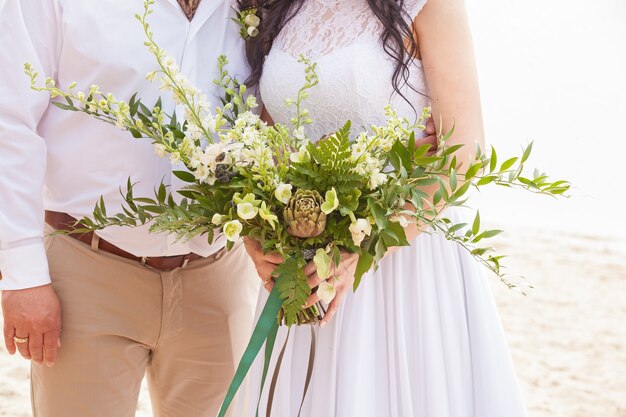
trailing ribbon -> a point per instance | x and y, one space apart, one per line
309 371
264 327
269 348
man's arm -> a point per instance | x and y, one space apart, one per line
30 33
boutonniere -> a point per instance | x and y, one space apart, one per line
248 22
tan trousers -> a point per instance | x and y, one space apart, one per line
186 329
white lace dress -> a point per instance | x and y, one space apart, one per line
421 337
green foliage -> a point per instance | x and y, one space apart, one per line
292 286
330 165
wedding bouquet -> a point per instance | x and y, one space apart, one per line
305 199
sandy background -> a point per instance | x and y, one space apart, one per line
567 336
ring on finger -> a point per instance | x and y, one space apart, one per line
20 340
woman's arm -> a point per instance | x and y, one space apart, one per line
445 46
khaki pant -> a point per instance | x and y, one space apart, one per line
186 329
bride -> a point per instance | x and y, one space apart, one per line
421 336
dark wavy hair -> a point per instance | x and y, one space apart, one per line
397 36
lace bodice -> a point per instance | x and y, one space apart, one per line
343 38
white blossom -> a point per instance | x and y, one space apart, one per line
283 192
232 229
326 292
160 150
359 229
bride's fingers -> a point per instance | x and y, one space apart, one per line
315 280
310 268
313 298
333 307
265 270
273 257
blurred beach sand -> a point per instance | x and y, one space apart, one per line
567 336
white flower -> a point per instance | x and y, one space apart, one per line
151 75
302 156
377 179
210 154
232 229
404 222
250 135
283 192
201 173
251 101
322 262
252 20
193 131
326 292
217 219
252 31
299 133
194 156
247 211
247 118
359 229
175 157
160 150
331 201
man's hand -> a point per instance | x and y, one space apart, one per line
265 264
33 314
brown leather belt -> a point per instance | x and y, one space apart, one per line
63 221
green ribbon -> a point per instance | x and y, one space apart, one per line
269 348
265 325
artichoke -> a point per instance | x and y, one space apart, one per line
303 214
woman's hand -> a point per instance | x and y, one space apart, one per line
265 264
342 277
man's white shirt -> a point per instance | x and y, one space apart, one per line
52 159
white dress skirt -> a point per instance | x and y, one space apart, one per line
421 336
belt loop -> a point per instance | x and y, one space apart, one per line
95 242
144 259
185 260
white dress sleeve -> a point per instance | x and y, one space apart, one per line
30 33
413 7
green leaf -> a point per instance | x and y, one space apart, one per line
350 200
64 106
486 180
189 194
292 286
379 214
472 171
493 161
399 233
456 227
185 176
422 150
363 265
453 180
491 233
162 194
452 149
527 152
476 224
508 164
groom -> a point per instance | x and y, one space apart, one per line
95 313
